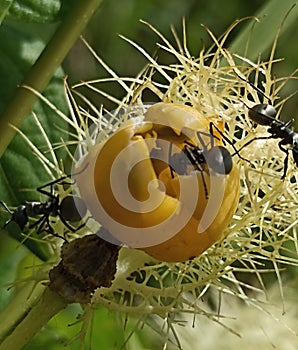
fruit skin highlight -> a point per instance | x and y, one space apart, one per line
130 190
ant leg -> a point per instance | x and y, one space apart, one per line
211 126
50 193
210 135
50 229
289 123
170 157
236 151
286 160
190 144
204 185
251 141
41 190
41 227
280 147
67 225
196 165
40 223
73 229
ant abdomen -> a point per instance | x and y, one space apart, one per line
219 160
72 208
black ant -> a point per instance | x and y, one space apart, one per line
265 114
217 158
70 208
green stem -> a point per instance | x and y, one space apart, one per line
48 306
24 299
45 66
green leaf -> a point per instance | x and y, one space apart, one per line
40 11
4 7
19 167
21 172
10 256
262 34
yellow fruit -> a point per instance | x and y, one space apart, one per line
130 189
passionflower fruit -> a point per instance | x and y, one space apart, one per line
161 183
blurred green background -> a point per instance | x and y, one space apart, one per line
122 17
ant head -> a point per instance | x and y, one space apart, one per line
262 114
19 215
9 211
219 159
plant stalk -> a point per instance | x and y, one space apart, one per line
45 66
23 300
48 306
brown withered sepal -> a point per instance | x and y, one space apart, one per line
87 263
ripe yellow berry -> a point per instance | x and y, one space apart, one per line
152 186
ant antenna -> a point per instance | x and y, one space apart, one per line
256 88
